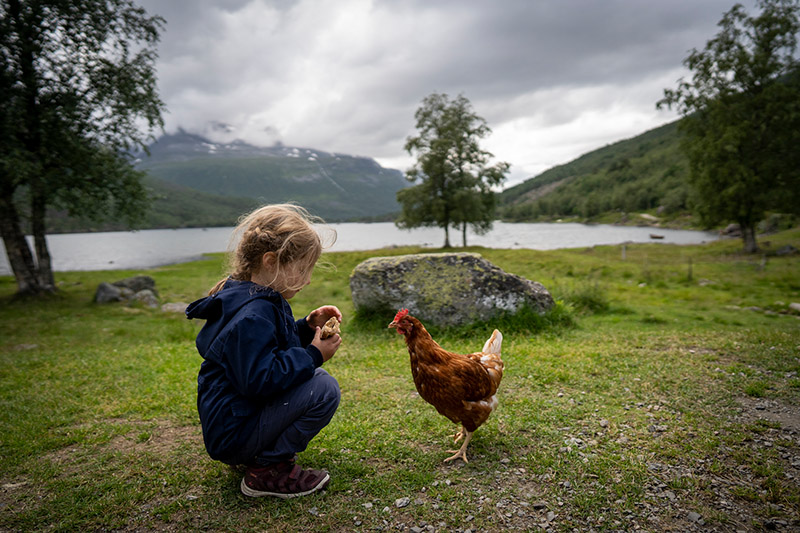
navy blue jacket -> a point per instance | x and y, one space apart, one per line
252 349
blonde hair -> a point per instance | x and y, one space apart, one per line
287 230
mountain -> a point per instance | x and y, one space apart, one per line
334 186
644 173
195 182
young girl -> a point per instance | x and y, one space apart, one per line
261 393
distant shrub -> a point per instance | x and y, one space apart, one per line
586 297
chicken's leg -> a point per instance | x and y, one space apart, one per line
462 452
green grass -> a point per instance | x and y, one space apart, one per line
642 381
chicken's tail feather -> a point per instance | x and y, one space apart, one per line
494 343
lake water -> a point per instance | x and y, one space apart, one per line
150 248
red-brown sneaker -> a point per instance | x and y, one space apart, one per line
283 480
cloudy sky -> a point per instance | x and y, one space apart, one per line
553 79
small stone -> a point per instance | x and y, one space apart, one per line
402 502
137 283
368 505
174 307
314 511
25 346
106 292
694 517
146 297
603 423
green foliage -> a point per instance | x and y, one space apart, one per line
741 121
630 176
79 92
455 186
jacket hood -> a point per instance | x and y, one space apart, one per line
220 308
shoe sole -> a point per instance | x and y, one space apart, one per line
247 491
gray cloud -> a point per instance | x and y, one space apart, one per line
553 79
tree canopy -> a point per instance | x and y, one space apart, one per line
741 110
78 88
454 180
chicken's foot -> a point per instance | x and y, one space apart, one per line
462 452
460 435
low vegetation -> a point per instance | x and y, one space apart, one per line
662 395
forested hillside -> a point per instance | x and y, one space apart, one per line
334 186
194 182
639 174
173 206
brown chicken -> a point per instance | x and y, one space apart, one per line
460 387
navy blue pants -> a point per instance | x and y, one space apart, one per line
289 422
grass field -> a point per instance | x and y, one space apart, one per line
663 395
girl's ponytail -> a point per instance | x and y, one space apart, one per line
218 287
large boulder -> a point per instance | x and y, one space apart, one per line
139 289
444 289
137 284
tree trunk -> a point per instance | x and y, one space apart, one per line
26 269
446 224
464 234
749 238
44 265
17 249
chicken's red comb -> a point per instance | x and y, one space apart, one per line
400 314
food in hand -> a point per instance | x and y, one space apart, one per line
330 328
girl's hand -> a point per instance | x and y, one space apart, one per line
320 315
327 347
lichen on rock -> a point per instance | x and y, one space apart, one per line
444 288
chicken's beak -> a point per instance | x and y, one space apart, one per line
393 324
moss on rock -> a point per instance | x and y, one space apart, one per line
444 289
